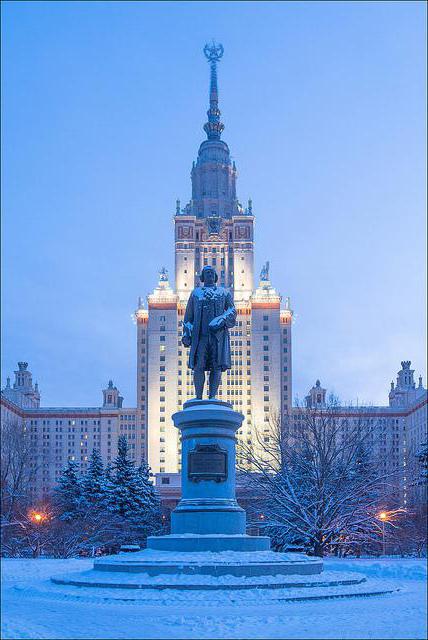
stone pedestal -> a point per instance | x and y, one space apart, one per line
208 517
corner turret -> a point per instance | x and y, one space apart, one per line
316 397
23 393
405 391
111 397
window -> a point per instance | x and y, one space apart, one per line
164 480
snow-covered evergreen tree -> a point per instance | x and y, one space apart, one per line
68 494
151 496
131 494
94 482
422 456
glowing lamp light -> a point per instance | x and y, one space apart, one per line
383 515
37 517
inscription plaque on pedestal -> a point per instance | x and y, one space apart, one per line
207 462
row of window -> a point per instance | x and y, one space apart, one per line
70 422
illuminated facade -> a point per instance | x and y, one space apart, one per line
59 434
212 229
400 429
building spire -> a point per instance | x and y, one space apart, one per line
213 128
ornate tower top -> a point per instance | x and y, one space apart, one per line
213 128
213 174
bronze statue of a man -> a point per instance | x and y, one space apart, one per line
210 312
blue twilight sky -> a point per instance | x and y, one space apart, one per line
103 106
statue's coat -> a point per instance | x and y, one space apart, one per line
223 308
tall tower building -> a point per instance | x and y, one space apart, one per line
214 229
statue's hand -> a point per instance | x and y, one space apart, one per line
186 341
216 324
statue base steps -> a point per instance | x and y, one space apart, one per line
249 564
213 542
119 583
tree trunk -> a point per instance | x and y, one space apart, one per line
318 549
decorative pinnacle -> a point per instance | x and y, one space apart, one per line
213 52
213 128
163 275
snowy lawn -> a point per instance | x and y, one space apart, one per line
33 607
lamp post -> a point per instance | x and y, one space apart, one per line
383 517
38 518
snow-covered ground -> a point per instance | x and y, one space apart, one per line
33 607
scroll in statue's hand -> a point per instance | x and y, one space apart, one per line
216 324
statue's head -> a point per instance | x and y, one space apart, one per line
208 275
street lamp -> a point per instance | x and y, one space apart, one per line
383 517
37 517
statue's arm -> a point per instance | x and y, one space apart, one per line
188 322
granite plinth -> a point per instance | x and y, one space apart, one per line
208 504
216 543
